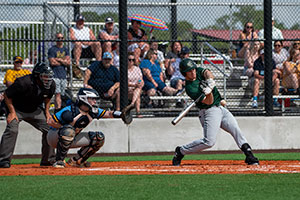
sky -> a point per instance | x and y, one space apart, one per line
199 16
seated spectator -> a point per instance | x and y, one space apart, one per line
136 33
116 56
12 74
291 71
295 45
153 76
172 55
160 54
276 34
135 84
259 72
110 32
33 58
105 79
250 56
279 54
177 80
84 49
59 59
247 34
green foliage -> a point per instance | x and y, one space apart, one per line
94 17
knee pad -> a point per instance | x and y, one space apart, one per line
66 134
97 139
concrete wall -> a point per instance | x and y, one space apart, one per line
159 135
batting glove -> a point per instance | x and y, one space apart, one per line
207 90
211 83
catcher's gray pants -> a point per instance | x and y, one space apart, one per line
38 120
212 119
80 140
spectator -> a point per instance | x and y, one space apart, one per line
276 34
135 84
59 59
12 74
84 49
116 56
291 71
105 79
279 54
153 76
177 80
295 45
33 58
23 99
248 33
250 56
136 33
160 54
259 72
110 32
172 55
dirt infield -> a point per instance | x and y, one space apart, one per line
159 167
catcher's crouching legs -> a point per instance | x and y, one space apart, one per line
66 136
97 139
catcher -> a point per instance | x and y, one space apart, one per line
67 124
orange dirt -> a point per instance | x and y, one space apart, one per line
159 167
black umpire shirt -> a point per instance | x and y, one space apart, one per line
26 95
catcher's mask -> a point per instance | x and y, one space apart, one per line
187 65
43 74
89 97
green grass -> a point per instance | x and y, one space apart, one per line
207 186
239 156
260 186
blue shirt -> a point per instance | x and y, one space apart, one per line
154 69
55 52
259 66
102 79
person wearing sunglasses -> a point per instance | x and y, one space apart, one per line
248 33
279 54
135 84
59 60
12 74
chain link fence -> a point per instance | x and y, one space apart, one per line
223 37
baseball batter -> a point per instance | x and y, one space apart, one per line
212 114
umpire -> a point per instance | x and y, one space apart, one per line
24 99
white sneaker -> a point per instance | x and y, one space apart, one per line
254 104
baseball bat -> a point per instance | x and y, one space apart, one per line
185 111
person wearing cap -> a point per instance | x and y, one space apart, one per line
212 114
59 59
136 33
276 34
105 79
84 49
258 77
12 74
110 32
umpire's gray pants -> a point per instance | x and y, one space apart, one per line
38 120
212 119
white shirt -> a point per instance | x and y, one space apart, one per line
81 34
276 35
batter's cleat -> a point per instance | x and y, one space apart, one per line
4 165
74 163
251 160
177 157
59 164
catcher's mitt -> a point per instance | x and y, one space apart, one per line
126 115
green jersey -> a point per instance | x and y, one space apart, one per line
194 90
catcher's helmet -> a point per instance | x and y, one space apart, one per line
43 74
187 65
83 96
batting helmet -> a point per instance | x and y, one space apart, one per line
187 65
